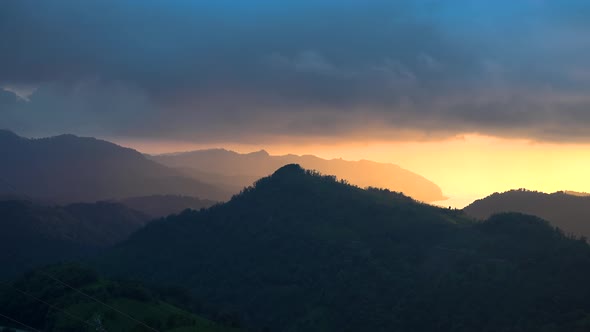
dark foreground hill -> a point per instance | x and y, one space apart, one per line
67 168
33 234
43 300
234 170
304 252
567 210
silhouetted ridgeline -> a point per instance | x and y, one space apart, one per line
305 252
67 168
569 212
234 171
576 193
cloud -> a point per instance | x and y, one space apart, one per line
221 70
22 92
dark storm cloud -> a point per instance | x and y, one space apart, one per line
246 70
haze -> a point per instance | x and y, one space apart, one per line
477 96
295 165
466 167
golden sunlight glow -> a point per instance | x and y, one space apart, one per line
466 168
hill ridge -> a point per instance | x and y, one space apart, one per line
69 168
231 167
569 212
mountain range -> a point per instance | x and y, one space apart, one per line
567 210
295 250
225 167
301 251
67 169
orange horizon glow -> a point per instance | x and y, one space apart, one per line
466 167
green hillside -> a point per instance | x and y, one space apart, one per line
44 300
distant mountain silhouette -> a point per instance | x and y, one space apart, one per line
227 168
67 168
230 183
569 211
157 206
299 251
33 234
576 193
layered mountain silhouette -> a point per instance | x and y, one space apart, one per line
34 234
569 211
300 251
157 206
67 168
234 171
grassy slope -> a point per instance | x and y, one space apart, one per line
158 315
78 312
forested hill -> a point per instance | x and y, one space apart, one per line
71 298
569 211
304 252
32 234
230 169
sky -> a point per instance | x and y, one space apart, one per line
476 95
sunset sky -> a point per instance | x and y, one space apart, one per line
466 167
476 95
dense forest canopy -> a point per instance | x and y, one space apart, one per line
302 251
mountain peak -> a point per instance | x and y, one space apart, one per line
241 170
293 182
289 175
260 153
288 170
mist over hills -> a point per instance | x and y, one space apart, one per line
67 168
567 210
299 251
230 168
123 208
